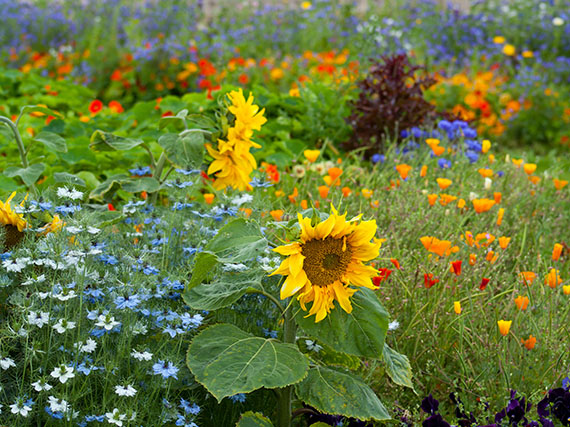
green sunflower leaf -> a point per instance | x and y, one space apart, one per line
340 393
105 141
253 419
29 175
238 241
360 333
398 367
227 361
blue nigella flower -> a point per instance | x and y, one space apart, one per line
165 369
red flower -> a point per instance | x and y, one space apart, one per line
384 274
95 106
456 265
243 79
484 283
395 262
111 207
167 113
429 281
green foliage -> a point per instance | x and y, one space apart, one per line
227 360
398 367
253 419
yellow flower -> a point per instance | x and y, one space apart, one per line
306 5
230 169
485 146
509 50
13 223
529 168
527 54
246 112
54 226
566 289
457 307
311 155
327 260
443 183
504 326
500 216
499 39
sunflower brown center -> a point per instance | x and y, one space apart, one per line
11 236
325 260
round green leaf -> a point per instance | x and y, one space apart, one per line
68 178
105 141
253 419
52 141
29 175
361 332
238 241
227 361
185 151
340 393
136 185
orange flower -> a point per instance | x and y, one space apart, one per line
485 172
403 170
293 196
367 193
484 239
423 171
559 184
517 162
323 191
279 193
529 168
246 211
504 242
504 326
445 199
304 204
437 150
529 343
429 281
440 247
461 203
443 183
311 155
277 214
346 191
534 179
553 279
457 307
557 251
521 302
209 198
334 173
432 198
484 283
528 277
432 142
491 257
469 238
395 262
500 216
472 259
497 196
456 267
566 289
483 205
116 107
491 158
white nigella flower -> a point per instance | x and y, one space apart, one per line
313 346
557 21
41 385
107 322
127 390
89 346
63 373
65 296
145 355
234 267
38 318
13 265
6 363
58 405
393 325
20 408
488 183
73 194
63 325
241 199
73 229
93 230
115 417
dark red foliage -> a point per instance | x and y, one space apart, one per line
391 99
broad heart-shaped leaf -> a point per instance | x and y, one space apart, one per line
223 292
107 185
238 241
253 419
68 178
105 141
227 361
205 262
340 393
52 141
136 185
398 367
361 332
29 175
184 151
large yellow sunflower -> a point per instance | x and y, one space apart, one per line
246 112
12 222
327 260
230 169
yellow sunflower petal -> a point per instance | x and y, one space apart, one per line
290 249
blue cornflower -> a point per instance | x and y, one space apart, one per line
469 133
444 163
240 397
500 173
445 125
130 301
378 158
566 383
141 171
189 409
472 156
165 369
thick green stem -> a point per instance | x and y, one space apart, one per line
19 141
157 173
286 393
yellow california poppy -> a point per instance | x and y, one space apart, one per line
327 260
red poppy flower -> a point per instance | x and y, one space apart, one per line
429 281
95 106
456 266
384 274
484 283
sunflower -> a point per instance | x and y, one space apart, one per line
12 222
231 169
327 260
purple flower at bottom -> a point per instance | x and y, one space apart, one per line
435 420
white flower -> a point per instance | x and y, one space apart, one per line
65 296
473 196
393 325
488 183
107 322
41 385
63 325
299 171
145 355
63 373
38 318
72 194
127 390
6 363
89 346
73 230
241 199
58 405
13 265
557 21
313 346
20 408
115 418
93 230
234 267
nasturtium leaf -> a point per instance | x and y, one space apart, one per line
29 175
205 262
398 367
227 361
68 178
361 333
340 393
105 141
136 185
238 241
184 151
222 292
106 186
52 141
253 419
178 122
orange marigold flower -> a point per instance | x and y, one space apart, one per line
504 242
557 251
528 277
500 216
529 168
504 326
529 343
323 191
559 184
403 169
553 278
432 198
443 183
483 205
521 302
